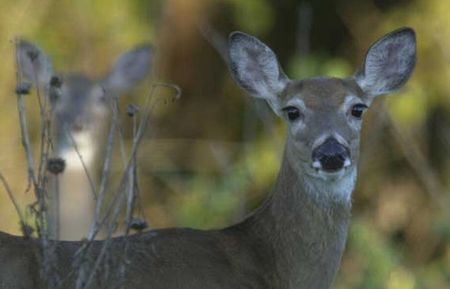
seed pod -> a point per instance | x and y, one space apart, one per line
56 165
132 109
23 88
55 91
138 224
56 81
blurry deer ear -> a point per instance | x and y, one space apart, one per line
34 65
389 63
255 67
129 68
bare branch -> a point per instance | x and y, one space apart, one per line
23 121
11 197
83 164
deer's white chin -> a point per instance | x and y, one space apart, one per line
336 185
332 176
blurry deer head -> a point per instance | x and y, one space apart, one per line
81 109
80 104
324 114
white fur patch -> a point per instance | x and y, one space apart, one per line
337 186
86 148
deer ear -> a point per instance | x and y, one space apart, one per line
34 65
389 63
255 67
129 68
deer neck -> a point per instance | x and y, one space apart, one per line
304 222
73 186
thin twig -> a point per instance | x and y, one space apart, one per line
23 122
11 197
96 223
83 164
106 243
55 208
45 127
113 210
105 172
121 136
131 198
140 132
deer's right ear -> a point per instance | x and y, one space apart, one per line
34 65
255 67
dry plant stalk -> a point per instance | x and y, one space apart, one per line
123 197
123 201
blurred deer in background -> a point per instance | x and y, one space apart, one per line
296 238
81 108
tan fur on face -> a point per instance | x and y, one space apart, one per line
322 92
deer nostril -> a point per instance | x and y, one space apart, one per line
331 156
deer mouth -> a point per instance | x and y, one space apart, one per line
334 175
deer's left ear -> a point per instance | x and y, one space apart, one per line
129 68
389 63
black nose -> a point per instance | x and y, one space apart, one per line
331 155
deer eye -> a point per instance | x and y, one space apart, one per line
292 113
358 109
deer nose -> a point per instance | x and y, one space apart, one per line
330 156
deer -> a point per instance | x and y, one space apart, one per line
81 110
296 237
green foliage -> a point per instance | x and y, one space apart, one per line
314 65
87 35
253 16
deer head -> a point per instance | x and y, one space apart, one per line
324 114
80 104
80 112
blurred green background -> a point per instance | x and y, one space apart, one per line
210 158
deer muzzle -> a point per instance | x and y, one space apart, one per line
331 156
